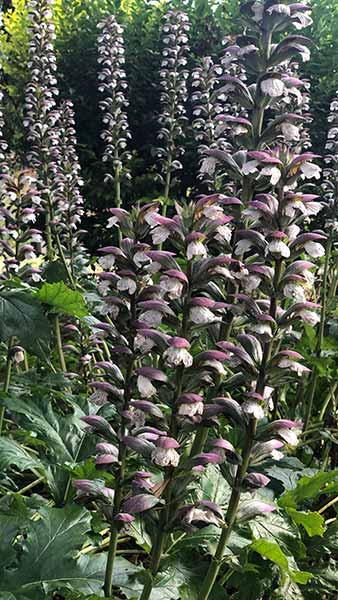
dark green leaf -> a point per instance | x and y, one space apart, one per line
63 299
312 522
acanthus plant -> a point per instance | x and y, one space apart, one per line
174 95
169 380
113 84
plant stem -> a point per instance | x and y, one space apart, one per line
216 562
59 344
114 532
6 383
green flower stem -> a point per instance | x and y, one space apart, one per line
230 519
7 381
119 479
329 396
324 299
216 562
59 344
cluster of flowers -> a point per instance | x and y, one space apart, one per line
113 85
167 387
174 94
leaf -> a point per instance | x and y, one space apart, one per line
273 552
63 299
63 435
309 488
312 522
55 271
21 316
47 558
13 454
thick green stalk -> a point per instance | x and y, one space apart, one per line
6 384
59 344
114 532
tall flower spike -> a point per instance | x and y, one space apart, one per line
41 115
206 109
69 200
3 143
174 95
113 84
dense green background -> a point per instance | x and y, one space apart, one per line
76 48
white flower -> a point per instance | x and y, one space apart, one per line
273 172
143 344
172 286
140 258
213 212
160 234
177 356
153 318
201 315
310 317
196 248
261 329
19 356
104 287
250 167
190 410
290 435
290 132
272 87
165 457
215 364
292 365
223 232
310 170
126 284
243 246
145 387
279 248
292 232
107 262
250 407
112 221
251 283
277 455
258 9
314 249
295 292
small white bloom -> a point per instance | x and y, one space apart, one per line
177 356
310 317
277 455
127 284
165 457
261 329
273 172
252 408
196 248
290 132
172 286
143 344
314 249
251 283
223 233
19 356
104 287
292 365
140 258
160 234
190 410
250 167
310 170
145 387
295 292
112 221
201 315
153 318
278 248
107 262
243 246
213 212
272 87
